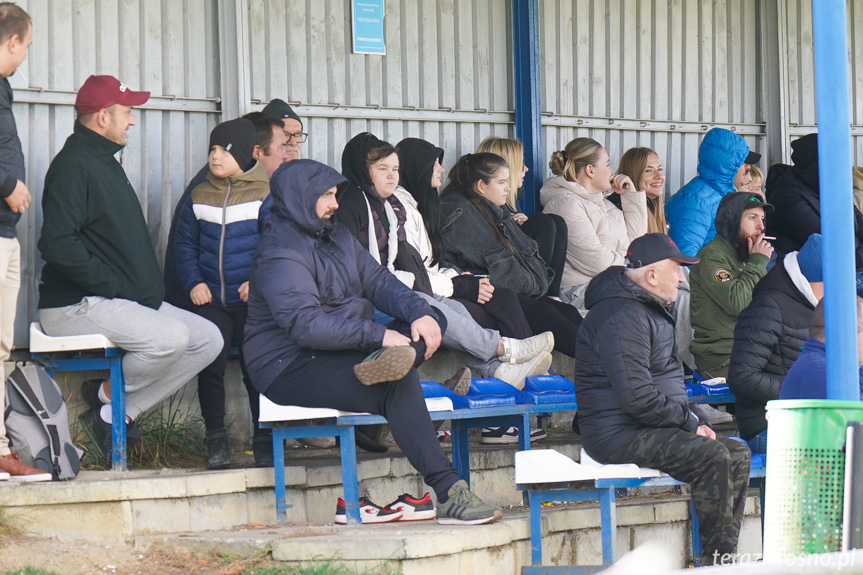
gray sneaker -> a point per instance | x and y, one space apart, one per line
514 373
521 350
386 364
464 508
459 383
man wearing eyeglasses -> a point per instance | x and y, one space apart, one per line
292 124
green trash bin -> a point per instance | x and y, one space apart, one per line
806 475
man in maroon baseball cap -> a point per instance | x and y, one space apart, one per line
101 272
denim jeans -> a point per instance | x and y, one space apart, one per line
758 444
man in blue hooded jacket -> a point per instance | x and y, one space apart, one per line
312 293
724 160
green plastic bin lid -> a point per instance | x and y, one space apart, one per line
813 404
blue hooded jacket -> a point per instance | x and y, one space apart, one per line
312 285
690 212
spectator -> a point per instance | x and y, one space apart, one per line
598 232
724 161
482 238
807 378
305 337
216 236
16 35
101 275
722 283
645 169
795 192
632 402
756 184
376 218
769 335
547 230
293 127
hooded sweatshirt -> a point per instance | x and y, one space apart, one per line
691 211
795 193
628 377
722 286
312 285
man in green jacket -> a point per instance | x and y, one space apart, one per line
101 274
722 283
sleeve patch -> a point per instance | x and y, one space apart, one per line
722 275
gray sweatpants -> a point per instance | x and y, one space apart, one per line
165 348
476 345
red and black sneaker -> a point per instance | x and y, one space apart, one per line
369 513
414 509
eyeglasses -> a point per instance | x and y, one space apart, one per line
298 136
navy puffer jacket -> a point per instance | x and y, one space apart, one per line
627 374
313 286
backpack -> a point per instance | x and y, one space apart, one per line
37 424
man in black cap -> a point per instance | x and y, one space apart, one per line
633 406
292 124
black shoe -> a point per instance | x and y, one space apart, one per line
90 392
368 437
262 445
99 433
217 450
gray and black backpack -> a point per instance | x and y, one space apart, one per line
37 424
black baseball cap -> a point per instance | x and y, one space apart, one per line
755 201
752 158
652 248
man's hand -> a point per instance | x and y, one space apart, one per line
428 329
486 290
760 246
243 290
200 294
393 338
19 199
705 431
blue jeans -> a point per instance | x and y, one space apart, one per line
758 444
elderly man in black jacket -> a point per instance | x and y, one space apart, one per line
769 335
632 402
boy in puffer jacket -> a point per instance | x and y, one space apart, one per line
215 240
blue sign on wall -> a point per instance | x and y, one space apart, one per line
368 26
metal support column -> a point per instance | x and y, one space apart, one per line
528 121
830 33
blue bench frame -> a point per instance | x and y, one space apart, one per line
343 427
605 491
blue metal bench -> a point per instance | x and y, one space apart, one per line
604 491
91 352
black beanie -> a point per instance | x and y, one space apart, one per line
238 138
281 110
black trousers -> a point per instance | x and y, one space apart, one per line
545 314
550 233
502 312
326 379
231 321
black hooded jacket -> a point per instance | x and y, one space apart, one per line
767 340
313 286
11 160
627 374
794 192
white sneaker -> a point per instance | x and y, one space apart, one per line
521 350
715 415
514 373
4 476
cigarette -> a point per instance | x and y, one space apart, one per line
769 238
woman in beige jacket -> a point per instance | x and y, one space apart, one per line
598 232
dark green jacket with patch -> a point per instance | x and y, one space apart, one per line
721 288
94 238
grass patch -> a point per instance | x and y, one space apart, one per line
321 568
29 571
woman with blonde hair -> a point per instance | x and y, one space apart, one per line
598 232
547 230
644 168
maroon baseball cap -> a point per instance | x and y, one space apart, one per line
652 248
101 92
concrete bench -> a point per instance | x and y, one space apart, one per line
464 413
547 475
89 352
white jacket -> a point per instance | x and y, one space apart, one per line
598 232
417 236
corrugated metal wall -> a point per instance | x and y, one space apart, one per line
447 75
169 47
651 73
